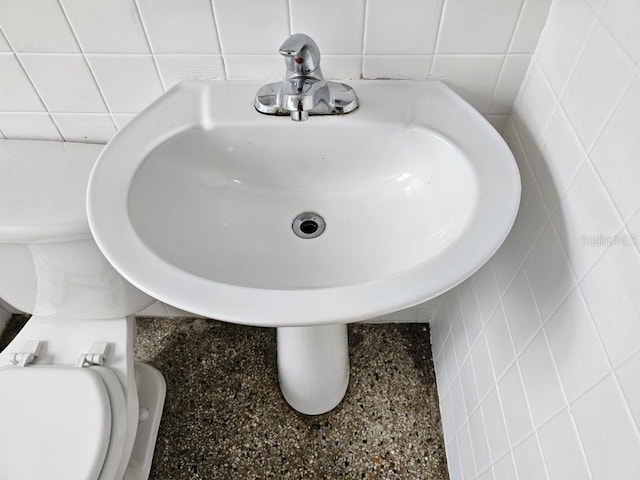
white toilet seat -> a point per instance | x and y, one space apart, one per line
72 417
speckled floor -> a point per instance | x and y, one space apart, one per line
225 417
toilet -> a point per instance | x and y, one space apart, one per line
73 402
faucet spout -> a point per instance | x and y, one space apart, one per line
299 115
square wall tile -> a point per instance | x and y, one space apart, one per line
36 126
449 361
254 67
520 310
585 213
515 405
469 26
473 77
506 263
529 461
486 475
85 128
342 67
95 24
544 391
611 293
497 438
64 82
605 426
568 26
457 400
597 83
532 19
129 82
259 27
186 26
465 289
534 105
459 337
628 375
466 453
401 67
532 213
616 152
346 21
482 367
576 346
511 76
175 68
621 18
505 469
16 91
486 291
468 385
561 155
471 317
549 272
36 26
562 449
479 441
414 24
499 341
453 460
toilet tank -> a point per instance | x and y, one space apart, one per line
49 263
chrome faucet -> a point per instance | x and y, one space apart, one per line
304 90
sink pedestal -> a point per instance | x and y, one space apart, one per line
313 366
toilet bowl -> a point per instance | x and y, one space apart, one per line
73 402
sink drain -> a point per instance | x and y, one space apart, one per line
308 225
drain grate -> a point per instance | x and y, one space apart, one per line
308 225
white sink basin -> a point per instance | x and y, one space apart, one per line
194 201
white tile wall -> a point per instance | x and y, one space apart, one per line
541 349
564 340
88 57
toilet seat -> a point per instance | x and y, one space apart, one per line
61 422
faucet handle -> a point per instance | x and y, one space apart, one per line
302 55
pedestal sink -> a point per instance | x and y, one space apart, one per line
209 206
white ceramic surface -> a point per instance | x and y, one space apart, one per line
194 199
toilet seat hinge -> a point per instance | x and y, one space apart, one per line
29 352
96 356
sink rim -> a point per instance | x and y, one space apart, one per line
117 238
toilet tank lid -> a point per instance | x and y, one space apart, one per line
43 185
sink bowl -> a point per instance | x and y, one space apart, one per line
209 206
194 201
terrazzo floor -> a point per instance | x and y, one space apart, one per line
225 417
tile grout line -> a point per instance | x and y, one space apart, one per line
148 40
436 44
365 22
504 60
219 39
86 61
33 85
